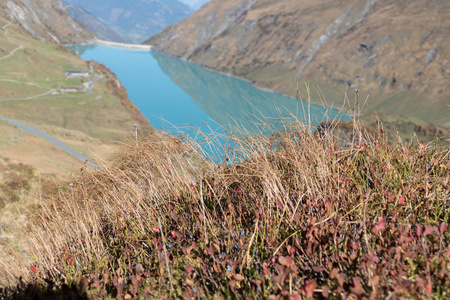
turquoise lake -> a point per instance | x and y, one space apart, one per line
173 93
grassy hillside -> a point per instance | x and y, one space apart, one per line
31 75
21 187
288 216
31 78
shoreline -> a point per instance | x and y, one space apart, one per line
446 128
137 47
97 42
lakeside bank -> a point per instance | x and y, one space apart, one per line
136 47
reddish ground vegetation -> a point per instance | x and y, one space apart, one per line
291 216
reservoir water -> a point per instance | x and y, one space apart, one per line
173 93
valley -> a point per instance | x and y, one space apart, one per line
254 149
131 20
396 54
101 29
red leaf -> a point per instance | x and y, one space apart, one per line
33 269
401 201
318 269
429 289
341 278
325 292
266 269
210 250
376 280
375 258
429 230
190 269
333 273
155 229
96 282
391 197
309 288
291 250
285 261
420 281
379 228
358 286
232 285
443 227
238 277
419 230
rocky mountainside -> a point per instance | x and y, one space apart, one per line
102 30
136 19
396 51
46 20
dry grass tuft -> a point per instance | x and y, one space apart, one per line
287 215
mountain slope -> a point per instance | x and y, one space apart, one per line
136 19
396 51
102 30
46 20
31 81
31 165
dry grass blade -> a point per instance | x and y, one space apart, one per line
282 214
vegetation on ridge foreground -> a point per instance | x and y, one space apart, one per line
294 215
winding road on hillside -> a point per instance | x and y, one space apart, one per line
12 53
34 131
97 77
50 139
5 28
45 136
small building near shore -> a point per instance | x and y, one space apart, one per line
72 89
76 74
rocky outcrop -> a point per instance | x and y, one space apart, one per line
46 20
396 51
347 20
210 29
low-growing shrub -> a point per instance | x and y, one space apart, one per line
293 215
